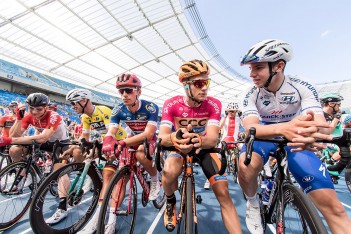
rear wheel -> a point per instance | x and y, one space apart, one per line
45 204
15 202
348 176
122 219
299 215
189 215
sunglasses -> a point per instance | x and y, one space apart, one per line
231 111
200 83
127 90
37 109
335 103
74 103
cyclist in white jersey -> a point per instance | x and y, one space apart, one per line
279 105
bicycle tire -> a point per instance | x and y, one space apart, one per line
5 161
189 216
11 217
298 202
123 173
45 204
348 176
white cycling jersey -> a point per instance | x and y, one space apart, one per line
293 98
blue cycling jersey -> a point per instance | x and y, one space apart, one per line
146 114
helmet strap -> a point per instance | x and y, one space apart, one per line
136 99
83 107
271 74
190 94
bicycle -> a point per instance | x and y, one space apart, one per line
125 209
233 159
5 158
187 205
287 203
18 197
82 203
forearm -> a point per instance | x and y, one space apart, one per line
27 139
266 131
208 142
15 130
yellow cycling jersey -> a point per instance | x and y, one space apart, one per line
100 120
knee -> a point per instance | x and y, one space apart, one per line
222 195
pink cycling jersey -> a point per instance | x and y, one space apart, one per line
177 114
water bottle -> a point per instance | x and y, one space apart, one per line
267 192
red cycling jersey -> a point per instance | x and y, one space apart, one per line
51 120
6 122
177 114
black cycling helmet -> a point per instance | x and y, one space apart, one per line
37 99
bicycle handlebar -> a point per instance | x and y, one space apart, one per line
221 151
342 140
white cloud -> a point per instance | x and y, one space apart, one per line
326 32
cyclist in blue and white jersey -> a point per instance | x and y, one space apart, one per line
140 116
280 105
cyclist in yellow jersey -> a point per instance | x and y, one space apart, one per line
99 120
97 117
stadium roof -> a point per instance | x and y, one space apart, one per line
90 42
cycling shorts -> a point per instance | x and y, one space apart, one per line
305 166
210 164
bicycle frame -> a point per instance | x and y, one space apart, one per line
188 173
129 160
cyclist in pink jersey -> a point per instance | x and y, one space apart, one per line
201 114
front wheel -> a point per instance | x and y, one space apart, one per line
45 204
299 215
348 176
15 198
121 193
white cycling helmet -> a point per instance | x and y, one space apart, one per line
270 50
76 95
233 106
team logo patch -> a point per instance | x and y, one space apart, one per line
266 103
308 178
151 108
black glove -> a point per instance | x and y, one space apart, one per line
337 115
226 113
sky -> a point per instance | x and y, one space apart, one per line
319 32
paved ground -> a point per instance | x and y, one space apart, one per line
150 220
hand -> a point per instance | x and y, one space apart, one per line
20 111
67 153
4 141
337 115
108 147
226 113
181 143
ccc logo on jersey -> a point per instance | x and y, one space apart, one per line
151 108
193 122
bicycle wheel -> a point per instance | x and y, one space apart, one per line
45 204
15 201
124 219
235 168
299 215
189 215
5 160
348 176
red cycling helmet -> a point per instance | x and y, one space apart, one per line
128 80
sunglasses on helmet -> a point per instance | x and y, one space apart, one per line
127 90
200 83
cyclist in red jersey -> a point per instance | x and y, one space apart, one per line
49 127
200 114
7 121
